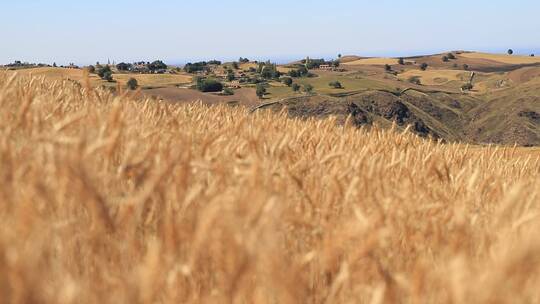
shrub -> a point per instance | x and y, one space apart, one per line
467 87
235 65
132 84
415 80
335 85
445 59
532 55
209 85
401 61
287 81
91 69
295 87
424 66
465 66
308 88
387 67
451 56
261 90
228 92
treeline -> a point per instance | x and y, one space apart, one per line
201 66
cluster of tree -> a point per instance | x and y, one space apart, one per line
300 72
200 66
214 62
122 66
157 65
18 64
268 70
448 57
209 85
243 60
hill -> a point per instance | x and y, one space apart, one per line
501 107
110 199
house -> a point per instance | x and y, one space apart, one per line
326 67
234 84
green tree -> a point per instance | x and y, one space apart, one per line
103 71
132 84
108 76
260 90
287 81
230 75
209 85
510 52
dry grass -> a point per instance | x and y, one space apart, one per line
105 199
154 80
435 77
373 61
503 58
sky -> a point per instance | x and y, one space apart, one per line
181 31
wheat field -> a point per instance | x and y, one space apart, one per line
109 199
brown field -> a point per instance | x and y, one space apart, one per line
105 199
436 77
144 80
244 96
373 61
502 58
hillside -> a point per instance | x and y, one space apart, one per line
501 107
110 199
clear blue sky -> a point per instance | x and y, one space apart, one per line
177 31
